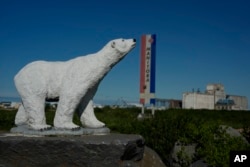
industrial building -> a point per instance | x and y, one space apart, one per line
162 104
214 97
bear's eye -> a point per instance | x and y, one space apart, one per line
113 45
122 40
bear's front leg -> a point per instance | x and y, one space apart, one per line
64 114
88 118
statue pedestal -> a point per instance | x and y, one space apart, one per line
82 150
24 129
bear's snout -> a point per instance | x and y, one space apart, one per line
134 40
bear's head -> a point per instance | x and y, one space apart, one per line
123 46
115 50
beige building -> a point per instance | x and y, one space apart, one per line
213 98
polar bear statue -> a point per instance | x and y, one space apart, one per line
74 82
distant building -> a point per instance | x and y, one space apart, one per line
9 105
5 104
213 98
167 103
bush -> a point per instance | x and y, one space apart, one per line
213 143
187 126
246 132
7 118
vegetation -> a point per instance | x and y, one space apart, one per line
161 132
7 118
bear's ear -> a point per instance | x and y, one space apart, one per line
113 44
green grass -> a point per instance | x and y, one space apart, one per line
235 119
7 118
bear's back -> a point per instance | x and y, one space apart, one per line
40 71
38 68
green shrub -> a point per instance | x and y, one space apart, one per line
7 118
246 132
188 126
213 143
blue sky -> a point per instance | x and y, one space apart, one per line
198 42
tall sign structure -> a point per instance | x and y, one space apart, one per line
147 70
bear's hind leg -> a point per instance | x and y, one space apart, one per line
88 118
34 108
21 116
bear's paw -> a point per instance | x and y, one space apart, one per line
68 126
93 123
40 127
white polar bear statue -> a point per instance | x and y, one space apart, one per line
75 82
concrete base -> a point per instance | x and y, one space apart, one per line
110 150
25 130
